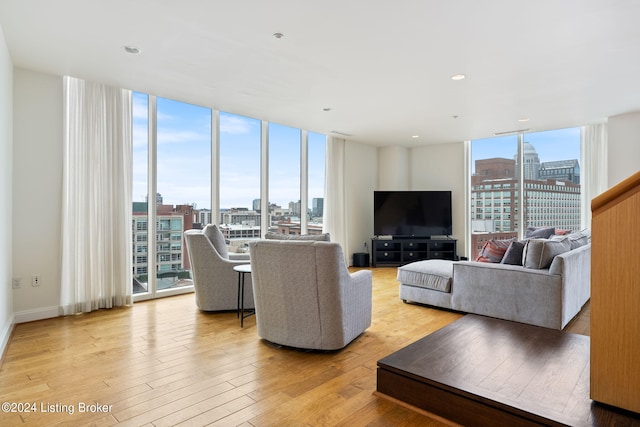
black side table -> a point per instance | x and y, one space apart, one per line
242 269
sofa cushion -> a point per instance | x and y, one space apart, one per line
432 274
325 237
513 255
493 250
539 253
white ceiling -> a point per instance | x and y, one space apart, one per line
384 67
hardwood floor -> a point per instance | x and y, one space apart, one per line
163 363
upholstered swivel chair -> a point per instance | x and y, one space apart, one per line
214 280
305 296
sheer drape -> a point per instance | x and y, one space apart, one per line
594 166
96 199
335 217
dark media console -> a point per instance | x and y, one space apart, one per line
398 251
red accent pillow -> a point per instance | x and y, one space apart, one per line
494 250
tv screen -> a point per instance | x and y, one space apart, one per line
412 213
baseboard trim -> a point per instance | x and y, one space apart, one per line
37 314
6 336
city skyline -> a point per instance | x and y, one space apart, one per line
560 144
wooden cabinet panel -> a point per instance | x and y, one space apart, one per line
615 296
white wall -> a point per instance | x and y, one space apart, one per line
6 225
431 167
442 167
37 192
623 147
393 174
361 175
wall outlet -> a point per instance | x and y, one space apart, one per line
35 280
17 283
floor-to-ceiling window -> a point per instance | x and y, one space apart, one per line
183 185
284 179
552 181
239 189
316 172
171 184
174 149
140 227
544 164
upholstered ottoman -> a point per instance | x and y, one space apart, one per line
427 282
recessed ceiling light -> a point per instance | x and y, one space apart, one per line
458 77
524 119
131 49
415 136
278 35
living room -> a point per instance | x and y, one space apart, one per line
31 160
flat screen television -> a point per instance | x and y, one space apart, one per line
412 213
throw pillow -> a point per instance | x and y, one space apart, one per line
539 253
539 232
493 250
513 255
325 237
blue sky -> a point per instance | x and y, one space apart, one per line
184 157
562 144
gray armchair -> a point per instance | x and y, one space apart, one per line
305 296
214 280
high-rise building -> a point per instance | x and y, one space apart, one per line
294 208
240 216
531 162
204 217
563 170
317 207
494 168
172 258
551 199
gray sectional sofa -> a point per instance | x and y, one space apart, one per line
548 289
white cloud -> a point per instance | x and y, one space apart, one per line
235 125
139 137
168 136
139 108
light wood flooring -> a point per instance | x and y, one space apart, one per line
163 363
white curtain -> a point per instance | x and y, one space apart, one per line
96 199
594 166
335 217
